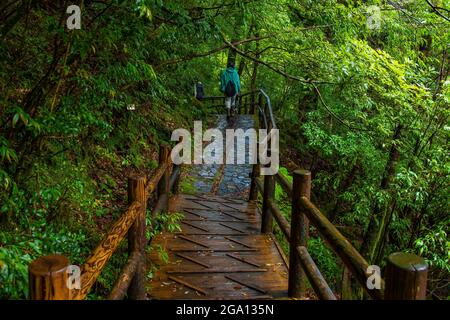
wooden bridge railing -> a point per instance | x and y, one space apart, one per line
53 278
406 274
245 102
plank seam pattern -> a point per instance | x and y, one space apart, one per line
219 254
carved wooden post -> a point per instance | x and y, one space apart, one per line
136 236
164 184
406 277
299 232
269 193
48 278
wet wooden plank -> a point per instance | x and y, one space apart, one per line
219 254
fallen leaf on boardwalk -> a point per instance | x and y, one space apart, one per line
276 267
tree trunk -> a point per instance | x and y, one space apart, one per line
242 62
255 66
342 188
232 54
381 216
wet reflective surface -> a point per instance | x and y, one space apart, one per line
227 179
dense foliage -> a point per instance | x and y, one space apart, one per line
360 90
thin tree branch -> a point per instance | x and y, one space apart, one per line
207 53
334 114
284 74
436 10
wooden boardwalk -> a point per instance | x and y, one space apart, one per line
219 254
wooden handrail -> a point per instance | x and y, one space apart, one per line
260 185
123 283
349 255
343 248
263 116
296 233
282 222
212 98
269 107
402 280
284 183
131 222
268 119
316 279
94 265
153 183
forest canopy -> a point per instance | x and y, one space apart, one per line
360 90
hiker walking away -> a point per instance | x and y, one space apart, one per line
230 85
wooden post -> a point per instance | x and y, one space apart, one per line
164 185
299 233
245 105
239 102
256 170
48 278
266 114
406 277
136 236
269 193
176 184
253 194
265 111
